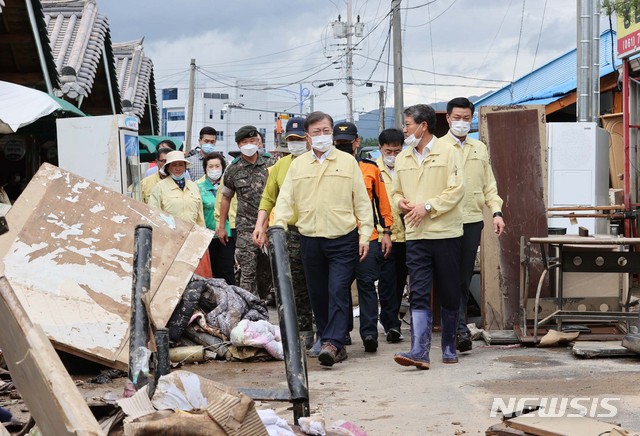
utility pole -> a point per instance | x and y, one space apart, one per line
349 59
381 108
311 97
397 65
192 78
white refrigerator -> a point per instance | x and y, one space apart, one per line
578 165
103 149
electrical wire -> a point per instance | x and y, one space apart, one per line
433 61
515 64
441 14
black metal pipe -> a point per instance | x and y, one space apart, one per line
139 324
163 364
294 358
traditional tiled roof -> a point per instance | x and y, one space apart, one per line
135 73
78 34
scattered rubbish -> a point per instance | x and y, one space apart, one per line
45 385
500 337
260 334
551 426
84 270
589 349
554 338
190 354
345 428
184 401
312 425
275 425
631 342
107 376
5 415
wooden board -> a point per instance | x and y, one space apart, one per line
560 426
516 139
69 256
51 395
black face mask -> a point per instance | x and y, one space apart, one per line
347 148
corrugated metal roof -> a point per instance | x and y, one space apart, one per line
553 80
77 34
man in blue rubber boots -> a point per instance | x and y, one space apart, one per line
428 188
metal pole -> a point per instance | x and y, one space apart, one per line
192 76
139 324
107 73
163 364
398 91
294 358
311 97
583 105
625 136
381 108
349 58
595 61
38 41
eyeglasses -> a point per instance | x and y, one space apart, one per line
318 132
162 161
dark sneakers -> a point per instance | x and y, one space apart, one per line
464 342
330 354
370 344
394 336
347 339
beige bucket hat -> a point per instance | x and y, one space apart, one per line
175 156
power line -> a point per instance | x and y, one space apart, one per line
519 40
441 14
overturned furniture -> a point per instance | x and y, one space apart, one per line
68 256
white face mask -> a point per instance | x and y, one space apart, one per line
214 174
389 161
460 128
322 143
249 149
297 147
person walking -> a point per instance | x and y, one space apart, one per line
346 138
480 190
335 222
246 177
393 270
427 188
296 146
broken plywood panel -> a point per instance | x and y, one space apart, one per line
43 382
516 138
69 258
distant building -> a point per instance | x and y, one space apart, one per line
226 110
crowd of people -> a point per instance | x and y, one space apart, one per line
416 212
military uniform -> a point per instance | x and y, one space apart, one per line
247 180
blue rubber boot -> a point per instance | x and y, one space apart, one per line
449 326
421 323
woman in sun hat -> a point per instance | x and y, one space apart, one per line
175 194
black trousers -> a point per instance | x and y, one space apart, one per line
222 259
329 267
393 278
470 243
438 260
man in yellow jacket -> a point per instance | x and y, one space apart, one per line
480 190
335 221
428 188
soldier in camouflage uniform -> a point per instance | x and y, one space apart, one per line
296 145
246 177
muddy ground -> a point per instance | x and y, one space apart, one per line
387 399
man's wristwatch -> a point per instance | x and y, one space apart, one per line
427 207
386 232
497 214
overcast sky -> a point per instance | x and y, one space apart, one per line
472 46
